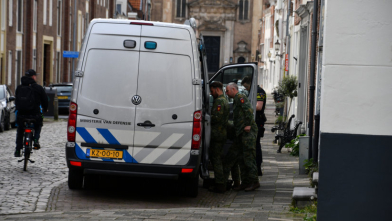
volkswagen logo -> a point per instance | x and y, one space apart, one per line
136 100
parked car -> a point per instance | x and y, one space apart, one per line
7 102
64 91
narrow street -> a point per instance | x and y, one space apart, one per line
42 193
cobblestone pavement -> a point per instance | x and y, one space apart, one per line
125 199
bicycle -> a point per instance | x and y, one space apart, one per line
28 141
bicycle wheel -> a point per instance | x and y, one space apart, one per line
26 157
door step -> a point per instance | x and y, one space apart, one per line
303 196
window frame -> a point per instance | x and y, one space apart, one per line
181 9
59 16
10 12
19 16
243 10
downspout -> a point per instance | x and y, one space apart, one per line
288 34
74 41
312 77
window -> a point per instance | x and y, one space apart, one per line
235 74
45 9
9 66
19 15
50 12
3 14
181 8
59 17
35 59
243 10
262 52
10 10
18 67
118 9
35 17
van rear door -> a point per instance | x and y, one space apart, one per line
164 116
106 113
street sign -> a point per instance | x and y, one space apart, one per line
287 62
70 54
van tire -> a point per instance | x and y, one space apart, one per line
75 179
91 182
190 186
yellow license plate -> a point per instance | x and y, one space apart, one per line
62 97
112 154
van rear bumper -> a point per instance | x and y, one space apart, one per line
133 169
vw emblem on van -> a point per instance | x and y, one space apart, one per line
136 100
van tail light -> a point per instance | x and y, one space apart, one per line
75 163
142 23
197 128
71 128
27 130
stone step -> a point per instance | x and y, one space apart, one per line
315 178
303 196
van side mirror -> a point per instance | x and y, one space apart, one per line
12 98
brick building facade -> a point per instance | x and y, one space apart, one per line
34 34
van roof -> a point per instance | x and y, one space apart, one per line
155 23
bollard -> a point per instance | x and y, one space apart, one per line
303 153
56 108
52 96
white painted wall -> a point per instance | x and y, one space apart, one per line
357 68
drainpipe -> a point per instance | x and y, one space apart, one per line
312 77
74 43
288 34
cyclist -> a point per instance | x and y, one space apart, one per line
29 96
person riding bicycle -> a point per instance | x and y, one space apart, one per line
29 97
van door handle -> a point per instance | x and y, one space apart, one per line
146 125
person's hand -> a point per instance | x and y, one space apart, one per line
247 129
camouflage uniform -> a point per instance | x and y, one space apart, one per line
243 116
230 163
219 119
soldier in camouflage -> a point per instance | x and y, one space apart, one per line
219 119
246 132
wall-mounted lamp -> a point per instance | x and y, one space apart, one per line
277 48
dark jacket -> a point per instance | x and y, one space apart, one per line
40 96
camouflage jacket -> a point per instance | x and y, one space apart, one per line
219 118
243 114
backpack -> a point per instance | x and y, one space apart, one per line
25 99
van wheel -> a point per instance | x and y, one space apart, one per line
75 179
91 182
190 186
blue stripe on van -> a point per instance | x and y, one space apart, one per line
108 136
128 158
80 153
85 135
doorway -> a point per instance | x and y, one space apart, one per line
212 44
46 68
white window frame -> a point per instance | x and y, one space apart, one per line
10 10
45 8
35 16
3 14
185 13
9 67
35 59
18 67
50 12
19 16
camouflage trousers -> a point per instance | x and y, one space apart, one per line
230 163
216 152
247 157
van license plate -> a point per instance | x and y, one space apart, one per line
112 154
62 97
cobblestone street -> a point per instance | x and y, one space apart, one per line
43 189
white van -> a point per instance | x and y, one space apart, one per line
139 105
